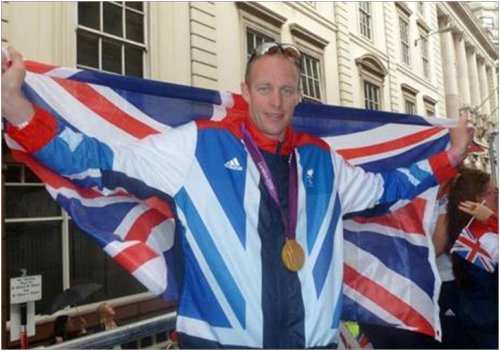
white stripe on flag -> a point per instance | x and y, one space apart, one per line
76 113
161 238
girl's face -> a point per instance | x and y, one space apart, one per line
491 196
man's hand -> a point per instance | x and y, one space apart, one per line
15 107
460 137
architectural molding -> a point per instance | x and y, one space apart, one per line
372 64
307 35
406 88
423 25
262 12
403 6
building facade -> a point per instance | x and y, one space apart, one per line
487 14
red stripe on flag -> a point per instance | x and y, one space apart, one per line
408 140
408 219
37 67
160 205
143 225
106 109
386 300
135 256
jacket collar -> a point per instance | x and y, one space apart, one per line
263 142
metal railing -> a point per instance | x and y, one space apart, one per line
121 335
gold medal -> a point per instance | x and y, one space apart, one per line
292 255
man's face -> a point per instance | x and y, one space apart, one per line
272 94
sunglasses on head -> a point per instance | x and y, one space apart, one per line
288 50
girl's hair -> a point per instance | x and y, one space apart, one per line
468 186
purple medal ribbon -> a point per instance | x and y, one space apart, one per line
291 223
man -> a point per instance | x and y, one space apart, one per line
260 205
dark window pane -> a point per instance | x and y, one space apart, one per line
160 337
304 85
133 62
315 69
30 177
88 14
310 83
13 173
87 50
113 19
29 201
146 342
38 248
250 44
135 5
135 26
111 56
316 89
89 263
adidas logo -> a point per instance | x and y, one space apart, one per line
449 313
233 164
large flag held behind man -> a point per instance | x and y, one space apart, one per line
390 275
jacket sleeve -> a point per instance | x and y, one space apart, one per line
493 222
360 190
161 161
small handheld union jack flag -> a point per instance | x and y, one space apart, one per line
479 246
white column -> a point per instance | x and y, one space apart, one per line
449 74
475 95
492 84
483 86
462 71
494 118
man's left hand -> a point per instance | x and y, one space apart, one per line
460 137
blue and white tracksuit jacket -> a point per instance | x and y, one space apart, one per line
236 291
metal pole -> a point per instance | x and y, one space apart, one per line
4 264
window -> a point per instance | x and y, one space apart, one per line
430 106
421 8
254 39
410 107
488 22
410 99
404 35
372 96
111 38
311 79
372 72
424 50
365 18
39 233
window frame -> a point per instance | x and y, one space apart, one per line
373 83
363 13
404 43
122 41
409 95
424 53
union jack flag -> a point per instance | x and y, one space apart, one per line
390 274
473 247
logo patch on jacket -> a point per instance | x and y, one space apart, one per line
233 165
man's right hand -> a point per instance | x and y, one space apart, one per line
15 107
